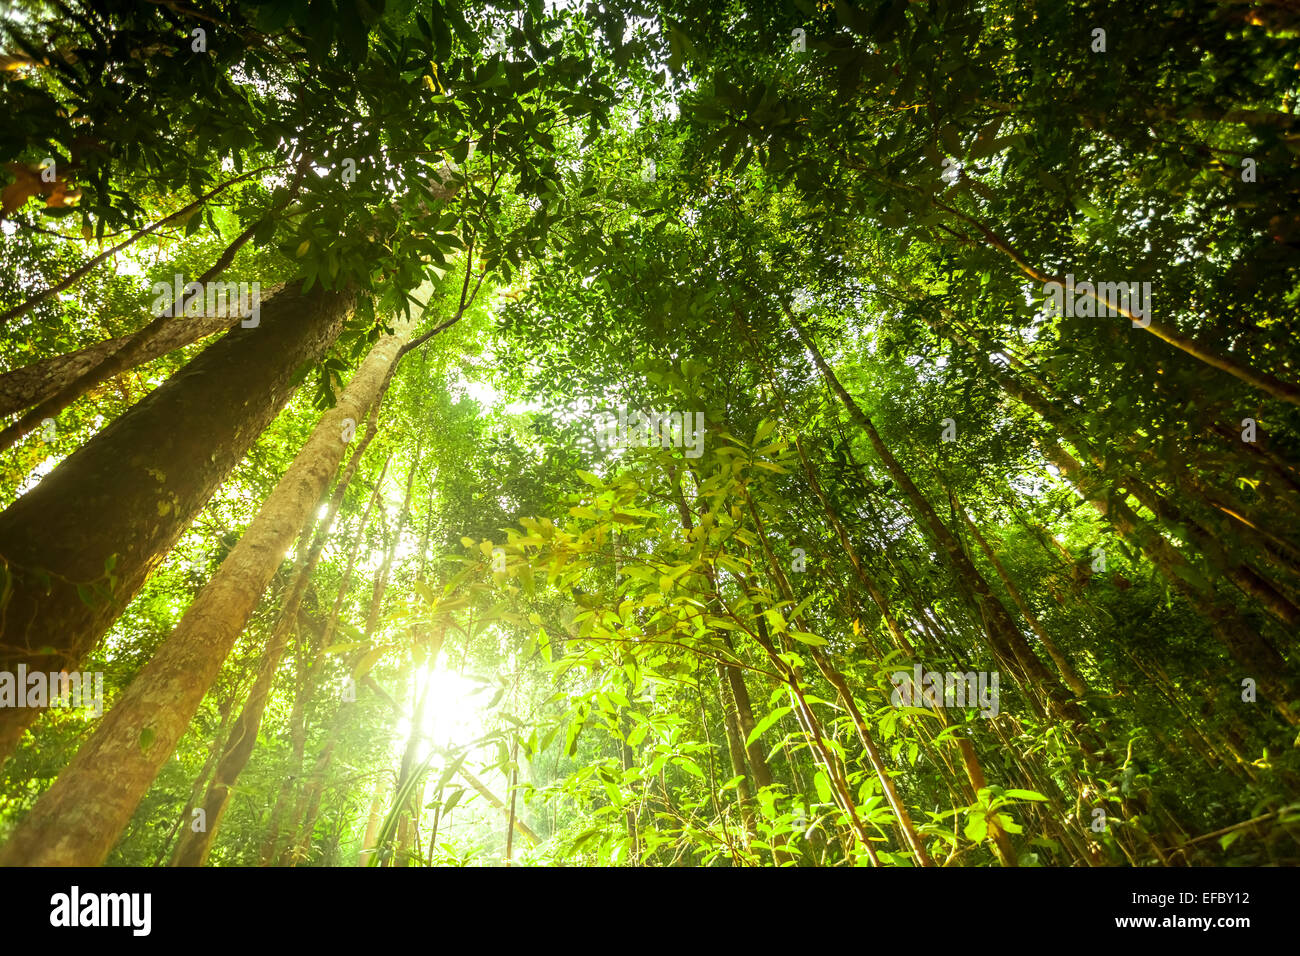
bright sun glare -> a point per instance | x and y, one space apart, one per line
453 715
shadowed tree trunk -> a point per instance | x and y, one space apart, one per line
1246 645
120 502
77 821
1215 358
24 387
736 751
186 817
1063 665
303 821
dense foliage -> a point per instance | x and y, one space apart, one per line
430 579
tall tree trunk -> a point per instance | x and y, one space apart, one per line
122 500
302 823
385 569
1242 575
1005 640
738 714
1250 581
1249 648
512 816
1063 665
79 818
745 716
193 848
372 825
194 845
300 847
26 386
736 751
874 590
186 817
309 673
965 748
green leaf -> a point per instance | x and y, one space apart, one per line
805 638
801 606
689 765
451 801
583 838
1023 794
765 723
344 648
823 786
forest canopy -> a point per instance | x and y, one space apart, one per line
649 433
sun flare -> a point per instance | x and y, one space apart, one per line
453 711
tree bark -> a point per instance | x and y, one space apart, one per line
129 493
745 715
1005 640
24 387
193 848
79 818
308 672
309 805
736 751
303 823
196 791
1063 665
1250 649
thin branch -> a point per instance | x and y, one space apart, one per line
77 274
